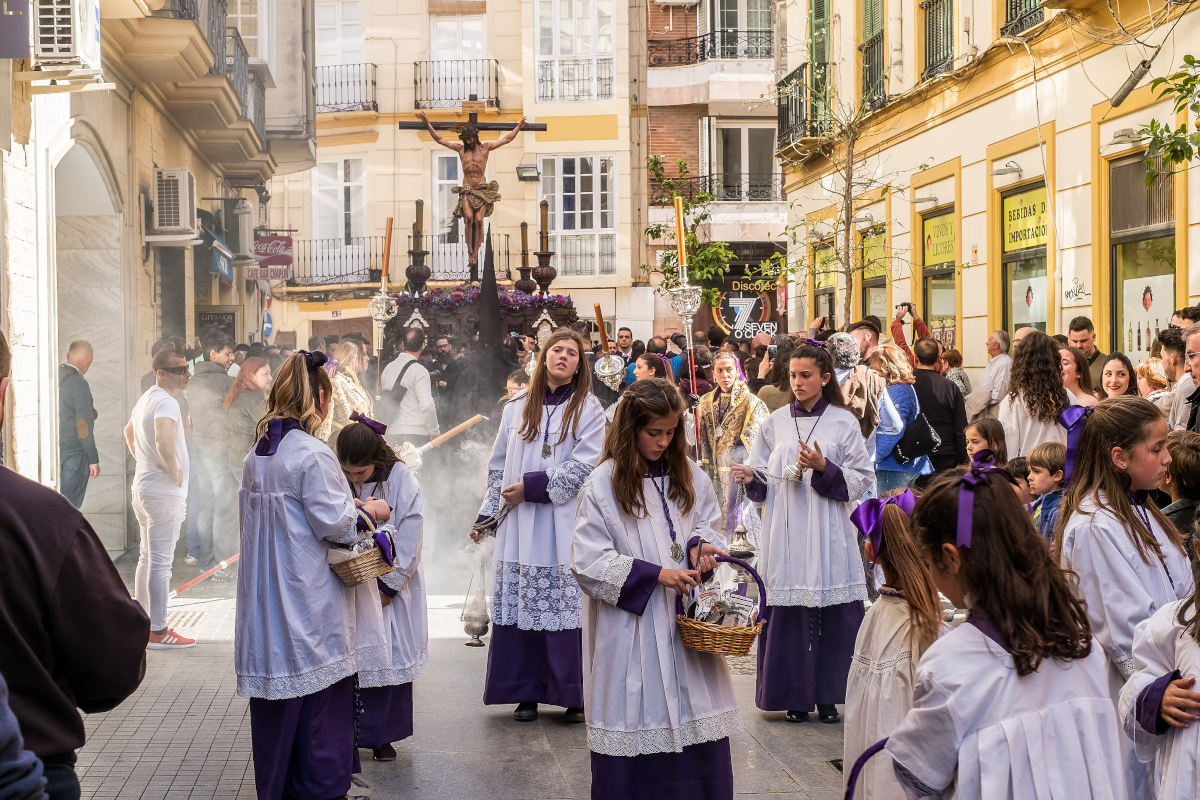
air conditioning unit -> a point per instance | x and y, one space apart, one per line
174 201
68 32
240 228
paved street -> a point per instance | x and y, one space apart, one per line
185 733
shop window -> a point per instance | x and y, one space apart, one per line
874 275
940 290
825 284
1024 228
1142 233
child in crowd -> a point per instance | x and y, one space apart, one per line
1015 703
1182 481
897 629
1128 556
987 434
1047 465
1157 705
1019 468
659 713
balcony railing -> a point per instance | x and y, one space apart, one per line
939 37
237 68
1020 16
214 32
359 259
725 187
447 84
729 43
179 9
346 87
575 79
258 109
802 103
874 79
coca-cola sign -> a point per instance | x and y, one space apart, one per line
273 251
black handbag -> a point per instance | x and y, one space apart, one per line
919 439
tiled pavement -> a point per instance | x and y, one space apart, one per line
185 734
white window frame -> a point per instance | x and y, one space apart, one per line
341 58
348 252
748 188
264 39
555 69
455 84
448 249
581 251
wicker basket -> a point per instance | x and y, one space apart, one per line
724 640
364 566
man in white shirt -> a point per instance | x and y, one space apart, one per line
985 400
413 415
157 438
1171 339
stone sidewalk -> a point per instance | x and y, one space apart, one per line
185 734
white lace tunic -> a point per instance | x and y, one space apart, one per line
810 555
534 587
406 620
644 691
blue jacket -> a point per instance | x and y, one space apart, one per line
904 397
1045 513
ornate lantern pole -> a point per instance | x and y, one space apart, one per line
685 301
383 308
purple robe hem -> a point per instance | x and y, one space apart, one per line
701 772
804 656
387 715
534 667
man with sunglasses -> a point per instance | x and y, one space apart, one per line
156 437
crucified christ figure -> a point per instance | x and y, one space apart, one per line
477 198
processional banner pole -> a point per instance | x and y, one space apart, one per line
685 301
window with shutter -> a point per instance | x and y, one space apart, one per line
819 75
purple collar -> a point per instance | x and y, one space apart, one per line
817 409
276 430
558 396
656 469
985 625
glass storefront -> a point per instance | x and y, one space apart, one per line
874 275
825 284
940 294
1023 259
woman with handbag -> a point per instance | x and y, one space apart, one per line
301 636
901 456
809 469
1036 396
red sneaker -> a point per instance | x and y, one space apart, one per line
168 640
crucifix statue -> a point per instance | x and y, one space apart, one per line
477 197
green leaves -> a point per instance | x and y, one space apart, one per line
1174 146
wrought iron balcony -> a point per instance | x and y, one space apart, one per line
939 37
575 79
874 79
258 108
802 103
359 259
346 87
721 44
724 187
447 84
237 67
214 32
1020 16
179 9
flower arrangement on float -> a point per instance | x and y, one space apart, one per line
465 295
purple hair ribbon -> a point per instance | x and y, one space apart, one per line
816 343
980 472
868 517
374 425
1072 418
331 367
387 548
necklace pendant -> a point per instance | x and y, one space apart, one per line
720 431
677 552
545 451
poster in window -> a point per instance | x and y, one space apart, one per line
826 268
938 233
1025 222
874 257
1147 304
876 301
941 301
1027 293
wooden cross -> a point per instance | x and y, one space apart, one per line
472 109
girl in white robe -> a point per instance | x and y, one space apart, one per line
1129 558
550 439
810 467
897 629
374 470
300 635
659 714
1014 703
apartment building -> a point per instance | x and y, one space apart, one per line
578 66
134 176
999 167
710 103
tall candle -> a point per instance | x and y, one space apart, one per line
544 240
680 239
418 225
524 244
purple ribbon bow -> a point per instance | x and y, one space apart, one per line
868 517
331 367
387 547
374 425
817 343
1072 418
982 468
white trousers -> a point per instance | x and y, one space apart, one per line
160 517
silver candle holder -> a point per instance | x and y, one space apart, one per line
382 308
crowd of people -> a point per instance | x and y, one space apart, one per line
1054 501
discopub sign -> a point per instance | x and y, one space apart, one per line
749 306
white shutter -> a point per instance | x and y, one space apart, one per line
708 137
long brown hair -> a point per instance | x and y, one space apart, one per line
1122 421
358 445
294 394
642 402
242 382
1189 610
992 432
1037 377
1083 370
1008 571
581 387
904 569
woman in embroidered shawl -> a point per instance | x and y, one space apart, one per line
301 635
349 395
730 419
810 467
659 714
550 439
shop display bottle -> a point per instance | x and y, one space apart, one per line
1148 339
1129 338
1139 338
